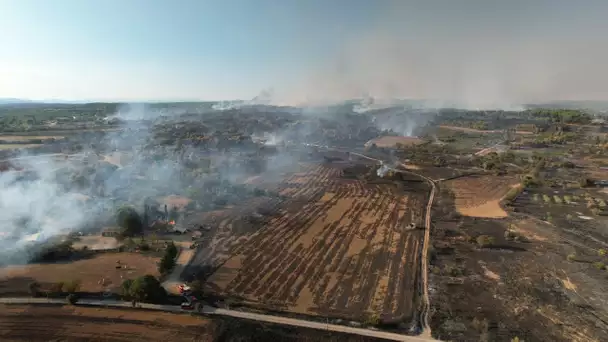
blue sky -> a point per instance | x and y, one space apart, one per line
303 49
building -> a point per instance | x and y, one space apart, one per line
111 232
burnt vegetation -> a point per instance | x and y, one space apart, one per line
301 213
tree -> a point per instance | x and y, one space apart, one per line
129 220
171 250
168 261
72 298
34 288
144 289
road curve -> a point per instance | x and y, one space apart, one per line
231 313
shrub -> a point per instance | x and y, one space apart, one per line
601 252
34 288
72 298
144 246
372 319
571 257
513 193
72 286
599 265
484 240
57 287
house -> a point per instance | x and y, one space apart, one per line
179 229
110 231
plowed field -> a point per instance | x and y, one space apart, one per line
336 247
479 196
71 323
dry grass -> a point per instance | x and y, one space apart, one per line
89 272
72 323
480 196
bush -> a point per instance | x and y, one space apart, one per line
72 286
372 320
485 240
601 252
34 289
571 257
513 193
510 235
72 298
599 265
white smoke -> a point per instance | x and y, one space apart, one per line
37 208
264 98
446 57
382 170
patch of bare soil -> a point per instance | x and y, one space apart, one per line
480 196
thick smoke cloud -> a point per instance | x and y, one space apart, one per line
469 55
53 195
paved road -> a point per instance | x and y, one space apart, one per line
232 313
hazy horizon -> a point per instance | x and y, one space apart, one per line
312 52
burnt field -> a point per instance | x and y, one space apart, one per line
333 245
495 279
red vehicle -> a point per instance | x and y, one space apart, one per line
184 289
187 306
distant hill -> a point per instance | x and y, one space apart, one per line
4 101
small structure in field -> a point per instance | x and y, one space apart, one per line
111 232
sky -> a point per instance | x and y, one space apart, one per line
304 51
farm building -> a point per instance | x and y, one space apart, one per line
110 232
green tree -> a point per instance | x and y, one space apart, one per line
129 221
147 289
168 260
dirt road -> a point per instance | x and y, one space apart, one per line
174 279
